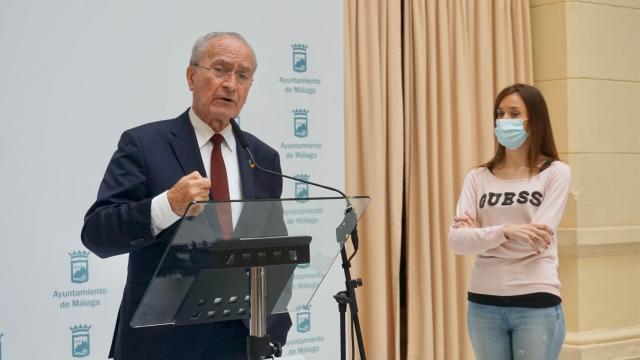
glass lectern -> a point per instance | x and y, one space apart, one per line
206 277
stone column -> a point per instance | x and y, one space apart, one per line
586 56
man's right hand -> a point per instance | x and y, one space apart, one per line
189 188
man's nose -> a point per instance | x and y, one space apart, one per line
230 82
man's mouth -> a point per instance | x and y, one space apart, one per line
224 99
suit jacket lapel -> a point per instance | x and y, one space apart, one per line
246 221
185 145
246 172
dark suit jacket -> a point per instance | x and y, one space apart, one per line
149 160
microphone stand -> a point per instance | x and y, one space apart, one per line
348 296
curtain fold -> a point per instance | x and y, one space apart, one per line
420 79
374 138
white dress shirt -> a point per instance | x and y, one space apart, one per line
161 214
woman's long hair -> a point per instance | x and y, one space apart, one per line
540 134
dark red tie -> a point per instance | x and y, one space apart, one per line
220 187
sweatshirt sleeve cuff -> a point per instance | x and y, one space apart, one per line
498 234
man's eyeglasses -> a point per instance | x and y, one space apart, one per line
221 73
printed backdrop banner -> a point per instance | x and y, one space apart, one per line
75 74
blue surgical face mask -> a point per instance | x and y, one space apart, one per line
510 133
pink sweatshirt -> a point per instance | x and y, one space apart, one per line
505 267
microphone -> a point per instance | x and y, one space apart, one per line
350 219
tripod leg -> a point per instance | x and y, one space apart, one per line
343 332
356 323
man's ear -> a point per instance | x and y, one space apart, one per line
190 74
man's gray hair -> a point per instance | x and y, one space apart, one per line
204 40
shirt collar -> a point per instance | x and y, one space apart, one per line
204 132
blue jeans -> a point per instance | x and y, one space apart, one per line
515 333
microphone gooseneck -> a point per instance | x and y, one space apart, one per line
254 164
350 219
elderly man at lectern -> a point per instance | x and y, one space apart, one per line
157 170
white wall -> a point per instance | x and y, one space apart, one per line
74 75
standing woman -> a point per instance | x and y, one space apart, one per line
507 217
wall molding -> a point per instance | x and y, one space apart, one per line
600 241
592 337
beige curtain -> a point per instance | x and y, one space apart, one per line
421 76
458 55
374 144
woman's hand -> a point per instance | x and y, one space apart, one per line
464 221
537 235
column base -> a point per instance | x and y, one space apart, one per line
615 344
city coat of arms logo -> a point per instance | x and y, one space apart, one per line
299 57
300 122
302 189
80 341
79 266
303 320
